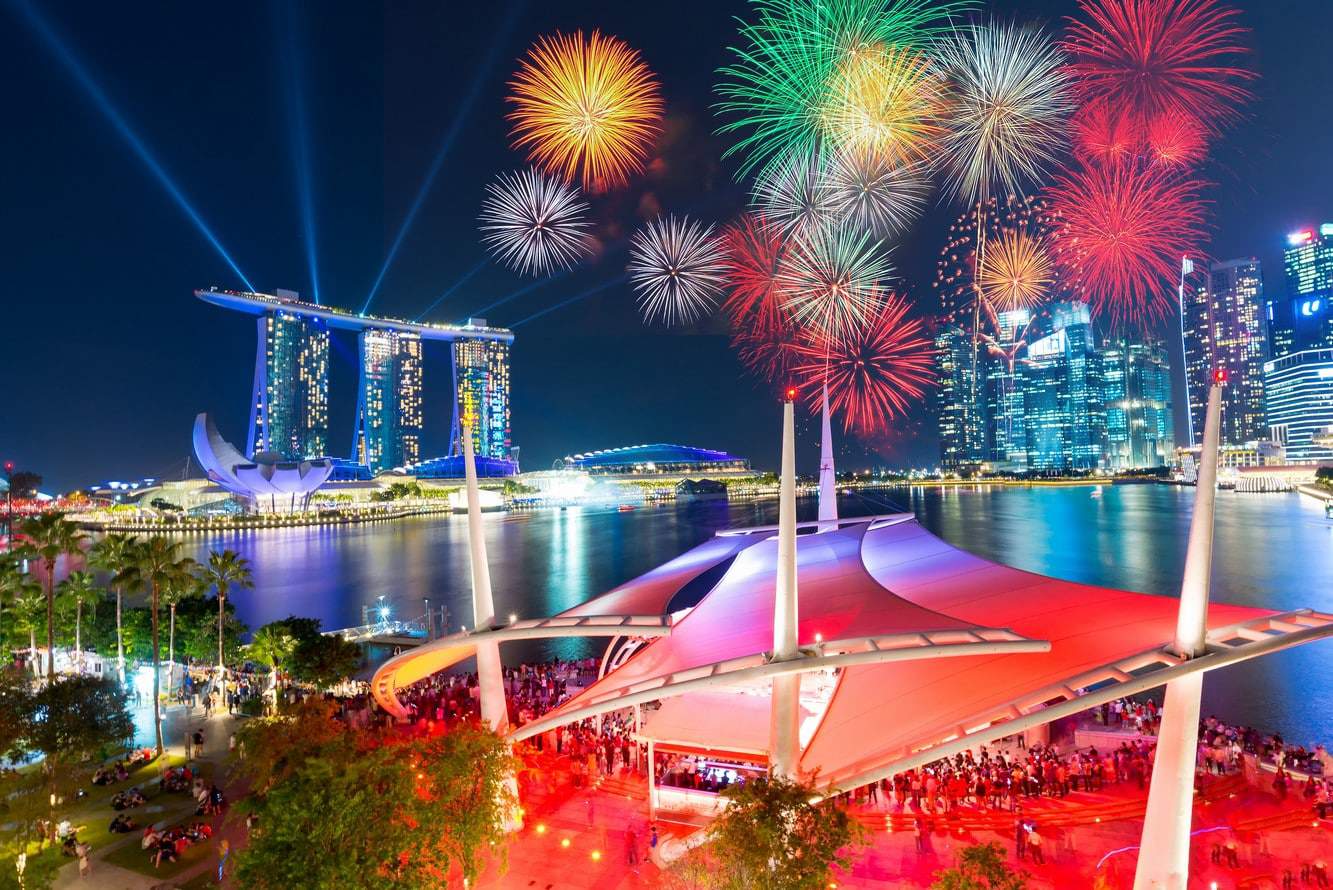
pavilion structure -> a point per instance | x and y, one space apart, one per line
844 651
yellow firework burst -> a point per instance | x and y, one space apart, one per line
588 110
884 100
1016 272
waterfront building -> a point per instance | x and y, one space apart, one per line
289 408
1006 432
657 461
961 411
1303 317
388 414
266 481
1136 381
1298 390
1224 329
481 385
1061 380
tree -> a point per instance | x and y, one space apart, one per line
154 566
181 586
15 712
772 837
223 571
29 609
356 811
980 867
325 660
49 537
74 591
113 554
12 580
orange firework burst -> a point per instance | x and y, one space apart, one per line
588 110
885 100
1016 271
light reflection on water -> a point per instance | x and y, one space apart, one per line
1270 550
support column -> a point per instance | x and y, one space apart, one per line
490 676
784 737
1164 852
828 478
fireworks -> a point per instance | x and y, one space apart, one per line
753 250
874 371
884 101
1009 103
588 110
778 92
1175 140
1103 135
1016 271
1123 231
533 223
831 277
678 268
876 194
768 348
1154 57
793 192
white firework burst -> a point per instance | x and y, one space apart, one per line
874 192
1011 97
534 223
833 278
678 267
793 192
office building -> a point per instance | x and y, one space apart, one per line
388 415
1061 379
289 408
1224 328
1298 390
961 399
1136 381
1303 317
1006 434
481 384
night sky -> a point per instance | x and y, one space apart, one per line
108 356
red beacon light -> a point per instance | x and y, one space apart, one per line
1220 376
790 393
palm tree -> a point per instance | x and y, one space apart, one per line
182 586
50 536
113 554
29 606
271 645
11 580
223 571
155 566
75 590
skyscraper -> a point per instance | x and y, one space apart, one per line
481 381
1136 380
1006 433
289 409
1224 315
1303 318
1299 393
388 416
1061 380
961 405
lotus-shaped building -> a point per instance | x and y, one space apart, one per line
266 481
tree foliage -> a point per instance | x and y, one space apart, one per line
981 867
325 660
771 837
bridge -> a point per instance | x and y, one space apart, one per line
395 632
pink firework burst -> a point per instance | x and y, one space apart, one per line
753 248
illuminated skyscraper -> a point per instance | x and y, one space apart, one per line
388 425
1136 381
1298 388
1006 433
481 381
1224 329
1061 382
1303 318
961 393
289 410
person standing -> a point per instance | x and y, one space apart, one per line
1034 842
1020 837
85 867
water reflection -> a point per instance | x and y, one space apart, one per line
1270 550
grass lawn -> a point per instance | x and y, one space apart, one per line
130 856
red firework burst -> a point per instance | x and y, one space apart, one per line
874 370
1153 57
1175 140
1102 134
767 346
1123 230
753 249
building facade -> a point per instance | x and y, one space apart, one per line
1140 428
961 407
1224 315
481 382
388 415
1298 388
1061 379
1303 318
289 409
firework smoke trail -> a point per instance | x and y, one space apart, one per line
678 267
588 110
534 223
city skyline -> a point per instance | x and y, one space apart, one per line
633 372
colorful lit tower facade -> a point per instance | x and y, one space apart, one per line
1061 381
389 415
481 385
960 371
289 413
1136 382
1303 318
1224 325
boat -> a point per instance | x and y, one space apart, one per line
626 508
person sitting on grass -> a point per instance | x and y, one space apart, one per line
123 824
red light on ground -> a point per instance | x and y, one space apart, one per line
1220 376
564 842
541 828
596 855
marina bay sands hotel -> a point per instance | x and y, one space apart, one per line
289 410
